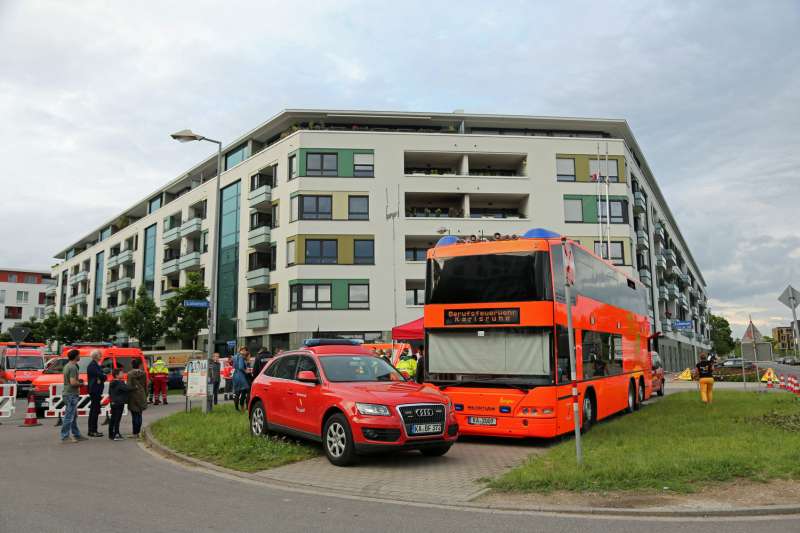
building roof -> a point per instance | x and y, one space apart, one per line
272 128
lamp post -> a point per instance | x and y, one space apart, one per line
188 136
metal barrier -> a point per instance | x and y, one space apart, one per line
8 395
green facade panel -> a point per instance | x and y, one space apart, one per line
589 205
344 159
339 289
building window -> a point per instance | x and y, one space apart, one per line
228 259
204 241
267 177
22 297
291 248
310 297
260 220
39 312
364 165
2 296
13 312
30 278
260 301
364 252
154 204
149 270
236 156
12 278
322 164
358 207
600 168
316 207
292 167
618 209
565 169
42 298
358 296
617 256
416 254
273 257
415 296
258 260
573 210
321 252
105 233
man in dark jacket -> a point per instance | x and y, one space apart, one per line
118 391
97 379
214 370
261 361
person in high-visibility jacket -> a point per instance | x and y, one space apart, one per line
407 364
159 373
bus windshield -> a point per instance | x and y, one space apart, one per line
507 277
25 362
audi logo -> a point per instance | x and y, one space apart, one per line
424 412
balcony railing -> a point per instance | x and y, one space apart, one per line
639 203
661 261
642 240
672 291
666 325
259 237
258 278
193 226
170 266
658 233
663 293
261 197
78 299
189 261
171 235
83 275
670 256
645 276
257 319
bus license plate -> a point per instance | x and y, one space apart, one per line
482 421
418 429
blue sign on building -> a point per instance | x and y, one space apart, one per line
682 324
196 303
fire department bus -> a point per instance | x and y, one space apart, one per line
496 335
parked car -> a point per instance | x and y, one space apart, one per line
736 362
658 374
336 392
793 361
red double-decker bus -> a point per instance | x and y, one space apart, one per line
496 335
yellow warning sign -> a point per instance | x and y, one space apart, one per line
769 375
686 375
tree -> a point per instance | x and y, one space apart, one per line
142 320
102 326
721 339
71 328
185 323
49 327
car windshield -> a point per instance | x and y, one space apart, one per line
56 366
125 363
341 368
25 362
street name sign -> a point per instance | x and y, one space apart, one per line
202 304
682 324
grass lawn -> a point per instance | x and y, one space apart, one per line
676 443
223 438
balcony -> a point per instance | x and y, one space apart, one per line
171 235
257 319
117 311
688 333
112 261
51 290
639 203
191 227
170 266
168 294
674 272
645 277
661 262
682 301
79 277
49 309
78 299
684 280
666 326
125 257
663 293
259 237
258 278
189 261
261 197
672 291
658 233
642 240
695 312
670 256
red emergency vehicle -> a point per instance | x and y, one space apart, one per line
21 365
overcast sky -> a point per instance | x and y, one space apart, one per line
89 92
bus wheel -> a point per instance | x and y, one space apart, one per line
631 407
588 412
640 399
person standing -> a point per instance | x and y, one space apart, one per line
215 370
137 398
97 380
72 384
159 375
705 374
118 390
261 360
241 385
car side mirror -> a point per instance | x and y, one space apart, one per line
307 376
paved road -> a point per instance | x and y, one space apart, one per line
101 486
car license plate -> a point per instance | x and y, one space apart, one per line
482 421
418 429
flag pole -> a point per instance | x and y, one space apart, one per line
596 178
608 211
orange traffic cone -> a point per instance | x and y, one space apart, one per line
30 415
782 383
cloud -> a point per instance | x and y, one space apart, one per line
90 94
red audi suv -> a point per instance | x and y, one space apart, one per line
337 393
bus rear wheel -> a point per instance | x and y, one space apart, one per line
588 412
631 407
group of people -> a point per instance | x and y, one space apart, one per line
409 362
131 392
245 369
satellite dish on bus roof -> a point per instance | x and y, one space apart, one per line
447 240
540 233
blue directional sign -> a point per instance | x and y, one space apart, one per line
203 304
682 324
231 344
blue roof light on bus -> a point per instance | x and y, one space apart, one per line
447 240
540 233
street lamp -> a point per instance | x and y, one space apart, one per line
185 136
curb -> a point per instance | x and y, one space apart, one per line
779 510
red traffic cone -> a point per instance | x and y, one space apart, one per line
30 415
782 384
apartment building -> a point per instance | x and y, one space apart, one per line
784 338
325 217
24 295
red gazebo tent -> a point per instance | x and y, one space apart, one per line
412 331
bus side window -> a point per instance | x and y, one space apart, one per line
562 348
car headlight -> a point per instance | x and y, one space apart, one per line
373 409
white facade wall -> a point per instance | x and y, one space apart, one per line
12 294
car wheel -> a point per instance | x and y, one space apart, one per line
435 451
661 389
588 413
258 420
337 439
631 407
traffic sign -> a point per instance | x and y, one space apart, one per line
790 297
19 333
202 304
682 324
